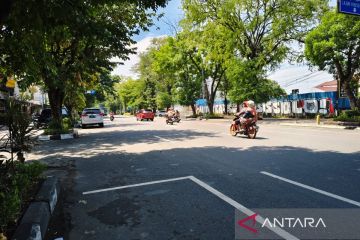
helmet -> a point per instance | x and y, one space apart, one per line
251 103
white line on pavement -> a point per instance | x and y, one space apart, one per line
282 233
135 185
313 189
162 139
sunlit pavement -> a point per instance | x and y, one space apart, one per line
149 180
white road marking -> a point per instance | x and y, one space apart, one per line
347 200
162 139
282 233
135 185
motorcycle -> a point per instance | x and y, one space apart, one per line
172 120
250 130
112 117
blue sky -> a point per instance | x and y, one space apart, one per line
288 76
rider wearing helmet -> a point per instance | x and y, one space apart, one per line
247 113
170 113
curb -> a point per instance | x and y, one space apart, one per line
320 126
34 223
73 135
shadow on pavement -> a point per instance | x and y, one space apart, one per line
234 172
111 140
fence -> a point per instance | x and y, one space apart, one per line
324 103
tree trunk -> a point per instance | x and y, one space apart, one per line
210 103
56 97
354 102
226 105
211 107
193 109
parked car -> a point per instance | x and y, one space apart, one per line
160 113
45 117
92 116
145 114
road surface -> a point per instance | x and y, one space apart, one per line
149 180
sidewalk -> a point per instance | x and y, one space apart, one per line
321 125
324 123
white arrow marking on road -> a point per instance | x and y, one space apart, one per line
313 189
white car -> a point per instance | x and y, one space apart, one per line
160 113
92 116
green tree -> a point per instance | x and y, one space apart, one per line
157 69
258 32
56 41
130 92
165 65
207 49
334 45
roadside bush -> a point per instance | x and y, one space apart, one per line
18 123
66 122
53 129
17 184
349 116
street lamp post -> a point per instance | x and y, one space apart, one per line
10 85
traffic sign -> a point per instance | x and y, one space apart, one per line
91 92
349 7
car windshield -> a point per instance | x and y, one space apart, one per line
147 111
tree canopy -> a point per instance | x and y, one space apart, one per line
334 45
61 43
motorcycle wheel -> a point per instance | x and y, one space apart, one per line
233 130
251 133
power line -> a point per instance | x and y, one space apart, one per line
302 79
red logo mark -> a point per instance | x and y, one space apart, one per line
253 218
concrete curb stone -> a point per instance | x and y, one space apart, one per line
73 135
320 126
49 193
34 223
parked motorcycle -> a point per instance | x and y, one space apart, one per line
172 120
250 130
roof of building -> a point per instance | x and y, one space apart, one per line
330 86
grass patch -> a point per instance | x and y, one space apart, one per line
18 184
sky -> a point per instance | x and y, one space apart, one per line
289 76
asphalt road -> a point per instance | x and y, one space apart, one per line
204 173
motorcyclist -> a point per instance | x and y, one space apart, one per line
247 113
170 113
177 114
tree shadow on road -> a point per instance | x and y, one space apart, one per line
111 140
233 171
